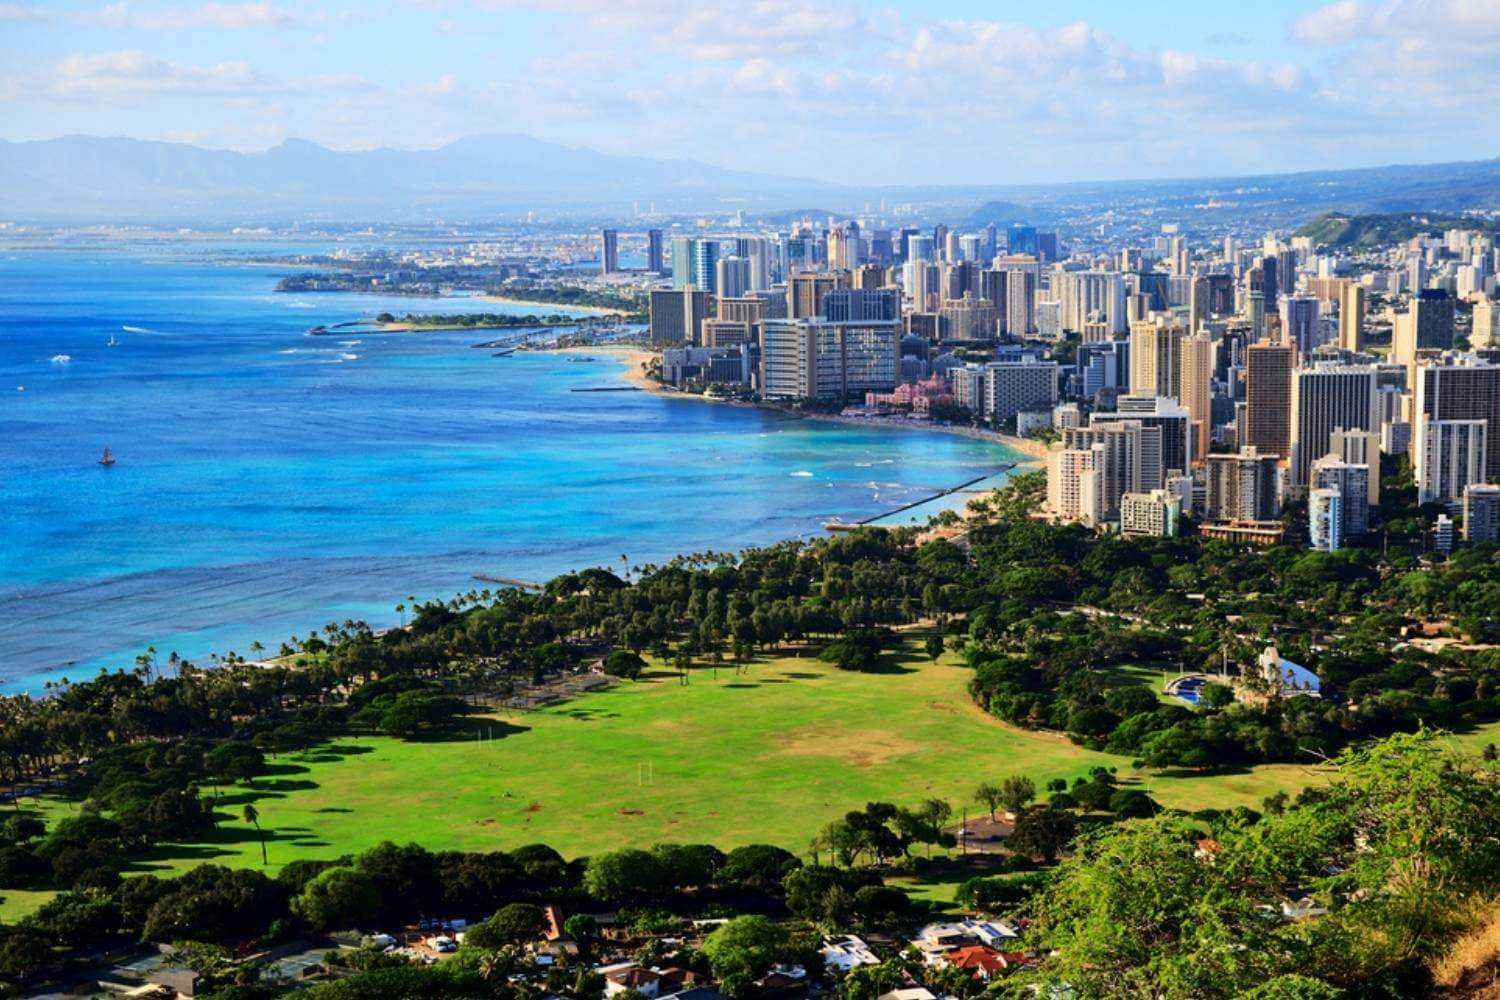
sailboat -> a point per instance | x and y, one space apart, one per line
112 341
107 458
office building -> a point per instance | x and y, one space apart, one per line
1352 316
1168 417
1325 519
655 260
1197 390
1450 457
804 292
1156 359
1021 239
817 360
732 277
1245 486
1301 322
1123 455
1359 447
1268 398
1156 514
969 320
1484 333
1482 513
1013 386
677 315
1352 483
1427 324
1465 390
609 252
854 305
1073 484
1324 398
1442 534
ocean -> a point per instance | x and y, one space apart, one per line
268 482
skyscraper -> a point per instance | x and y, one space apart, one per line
1325 519
1268 398
804 293
655 262
1352 316
1482 513
1300 322
609 252
1326 397
1197 390
677 315
1468 391
1450 458
1243 487
1162 414
732 277
1352 483
823 361
1155 359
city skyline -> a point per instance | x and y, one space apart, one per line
1085 91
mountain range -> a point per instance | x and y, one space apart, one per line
101 179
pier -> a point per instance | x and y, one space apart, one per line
609 388
838 525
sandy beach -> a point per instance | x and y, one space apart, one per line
637 358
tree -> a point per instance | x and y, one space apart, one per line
617 875
252 816
991 796
512 924
338 898
933 645
624 663
1015 792
1041 832
742 951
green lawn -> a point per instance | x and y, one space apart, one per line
770 755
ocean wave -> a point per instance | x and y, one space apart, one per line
61 359
138 329
298 304
802 474
348 357
349 343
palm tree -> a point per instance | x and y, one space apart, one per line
252 816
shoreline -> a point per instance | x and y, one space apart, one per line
531 303
1034 452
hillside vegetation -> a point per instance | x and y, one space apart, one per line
1366 232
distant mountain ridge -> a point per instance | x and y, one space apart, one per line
93 179
89 177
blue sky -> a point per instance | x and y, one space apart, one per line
962 92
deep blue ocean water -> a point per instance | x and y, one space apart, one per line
268 482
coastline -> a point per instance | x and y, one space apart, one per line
589 310
1035 452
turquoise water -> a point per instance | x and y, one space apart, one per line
268 481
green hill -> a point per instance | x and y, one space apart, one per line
1365 232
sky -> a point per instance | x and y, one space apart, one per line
958 92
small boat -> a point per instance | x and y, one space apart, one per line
112 341
107 458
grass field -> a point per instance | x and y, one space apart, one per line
767 756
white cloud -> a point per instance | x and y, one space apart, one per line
208 16
23 12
